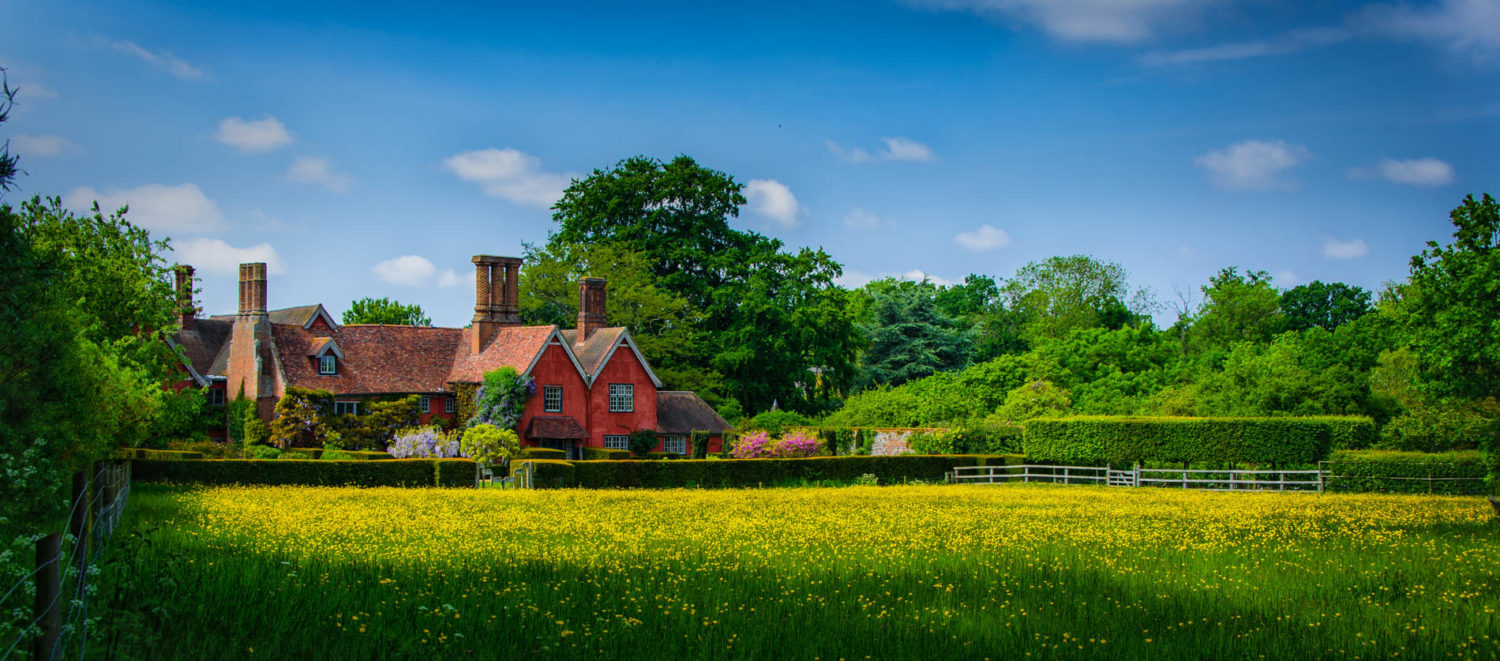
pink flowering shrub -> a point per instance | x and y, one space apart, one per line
754 446
795 444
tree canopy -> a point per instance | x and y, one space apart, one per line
385 311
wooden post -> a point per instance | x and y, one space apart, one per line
48 594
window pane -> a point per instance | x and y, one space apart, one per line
552 399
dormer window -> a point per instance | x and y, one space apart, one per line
328 364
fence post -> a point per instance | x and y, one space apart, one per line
48 593
1135 480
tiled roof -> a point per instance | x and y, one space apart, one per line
204 343
514 346
377 358
555 426
682 412
595 349
298 316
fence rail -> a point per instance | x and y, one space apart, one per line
1183 478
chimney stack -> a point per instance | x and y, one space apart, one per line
496 297
185 297
590 308
252 289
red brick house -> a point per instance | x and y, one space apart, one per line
593 385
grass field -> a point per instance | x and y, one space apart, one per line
932 572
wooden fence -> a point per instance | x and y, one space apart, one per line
1215 480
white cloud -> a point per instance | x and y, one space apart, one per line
918 275
859 219
1113 21
180 209
259 135
1252 164
1464 27
987 237
772 199
509 174
853 279
1285 278
896 149
450 278
409 270
39 145
1412 172
316 171
1291 42
33 90
163 60
1336 249
216 256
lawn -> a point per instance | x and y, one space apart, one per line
932 572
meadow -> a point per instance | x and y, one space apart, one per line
932 572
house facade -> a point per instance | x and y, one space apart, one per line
593 385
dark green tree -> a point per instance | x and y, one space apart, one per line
8 161
1237 308
385 311
908 337
1325 306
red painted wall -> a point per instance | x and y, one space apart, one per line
437 415
623 367
554 368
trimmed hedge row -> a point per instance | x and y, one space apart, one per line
1348 432
356 455
550 473
541 453
1125 440
719 473
310 472
605 453
164 455
1407 472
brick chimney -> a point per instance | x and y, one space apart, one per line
252 289
590 308
185 297
496 297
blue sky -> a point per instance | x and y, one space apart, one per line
369 150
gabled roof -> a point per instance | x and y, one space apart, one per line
683 412
513 346
601 346
204 343
555 426
375 358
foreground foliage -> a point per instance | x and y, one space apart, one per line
913 572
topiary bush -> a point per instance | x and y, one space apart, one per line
642 442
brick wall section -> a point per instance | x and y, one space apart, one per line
554 368
623 367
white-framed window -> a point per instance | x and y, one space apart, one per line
425 405
674 443
215 397
616 442
552 399
346 408
448 405
621 398
328 364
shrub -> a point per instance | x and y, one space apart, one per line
1038 399
775 422
1349 432
261 452
767 472
1407 472
795 444
502 398
605 454
400 473
300 415
866 480
1124 440
642 442
549 473
699 441
302 453
162 455
355 455
425 443
489 445
209 449
541 453
754 446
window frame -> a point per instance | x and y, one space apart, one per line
449 406
668 440
626 395
425 404
622 440
352 406
547 392
328 365
216 397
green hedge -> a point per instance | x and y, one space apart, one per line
716 473
1407 472
356 455
1125 440
541 453
550 473
393 473
605 453
302 453
163 455
1348 432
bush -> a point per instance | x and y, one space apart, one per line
605 454
769 472
210 449
489 445
1436 428
776 422
425 443
1407 472
1349 432
1099 440
162 455
1038 399
642 442
300 415
501 399
355 455
302 453
977 439
753 446
261 452
550 473
544 453
699 444
397 473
